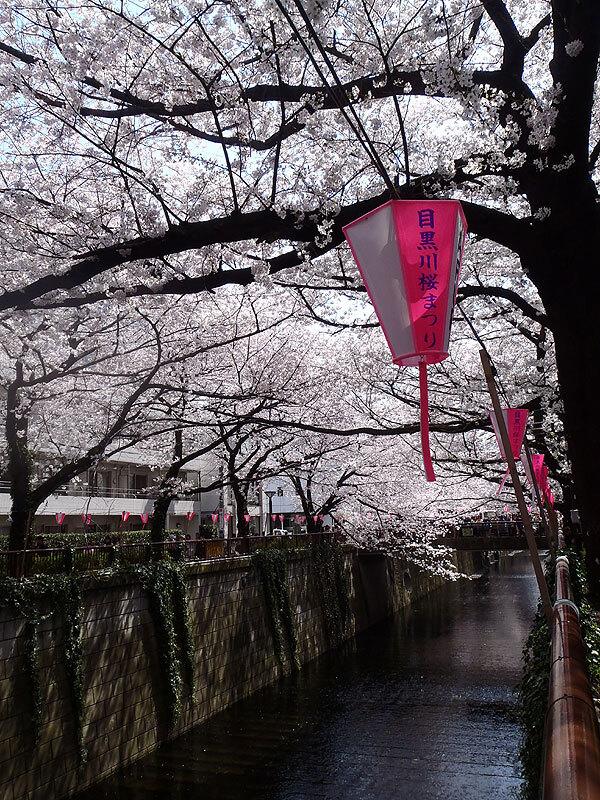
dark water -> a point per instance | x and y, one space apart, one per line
418 708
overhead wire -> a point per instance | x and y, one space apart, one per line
356 126
487 352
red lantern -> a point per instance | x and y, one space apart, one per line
408 253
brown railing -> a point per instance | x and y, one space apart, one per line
572 757
47 561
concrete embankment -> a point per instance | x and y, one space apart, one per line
123 679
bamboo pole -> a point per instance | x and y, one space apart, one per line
518 489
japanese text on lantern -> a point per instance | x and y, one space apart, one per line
428 280
517 431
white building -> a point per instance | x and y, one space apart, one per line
122 486
118 495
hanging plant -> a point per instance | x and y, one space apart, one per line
332 583
32 677
183 628
57 593
70 603
165 583
271 565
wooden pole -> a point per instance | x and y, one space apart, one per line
518 489
552 518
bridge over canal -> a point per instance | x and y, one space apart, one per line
489 543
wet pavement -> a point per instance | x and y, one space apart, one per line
420 707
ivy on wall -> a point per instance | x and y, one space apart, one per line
588 618
272 567
54 594
334 591
533 702
38 598
32 677
166 586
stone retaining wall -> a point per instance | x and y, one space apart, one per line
124 689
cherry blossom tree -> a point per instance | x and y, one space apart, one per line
207 145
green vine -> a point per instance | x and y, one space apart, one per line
271 564
61 593
165 583
533 702
587 617
184 629
328 561
70 604
32 677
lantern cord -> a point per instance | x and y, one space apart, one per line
357 128
506 474
427 463
483 347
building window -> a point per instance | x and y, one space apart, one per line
139 483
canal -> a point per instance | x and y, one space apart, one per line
420 707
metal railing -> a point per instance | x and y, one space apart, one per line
495 528
572 751
69 490
90 558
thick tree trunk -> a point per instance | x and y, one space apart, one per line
579 376
160 510
241 508
20 467
565 271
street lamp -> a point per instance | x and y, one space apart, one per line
408 253
270 494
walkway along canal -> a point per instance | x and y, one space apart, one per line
421 706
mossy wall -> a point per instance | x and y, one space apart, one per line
125 714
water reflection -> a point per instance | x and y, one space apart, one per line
418 707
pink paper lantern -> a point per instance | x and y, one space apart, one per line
247 517
537 462
215 517
408 253
543 479
515 420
